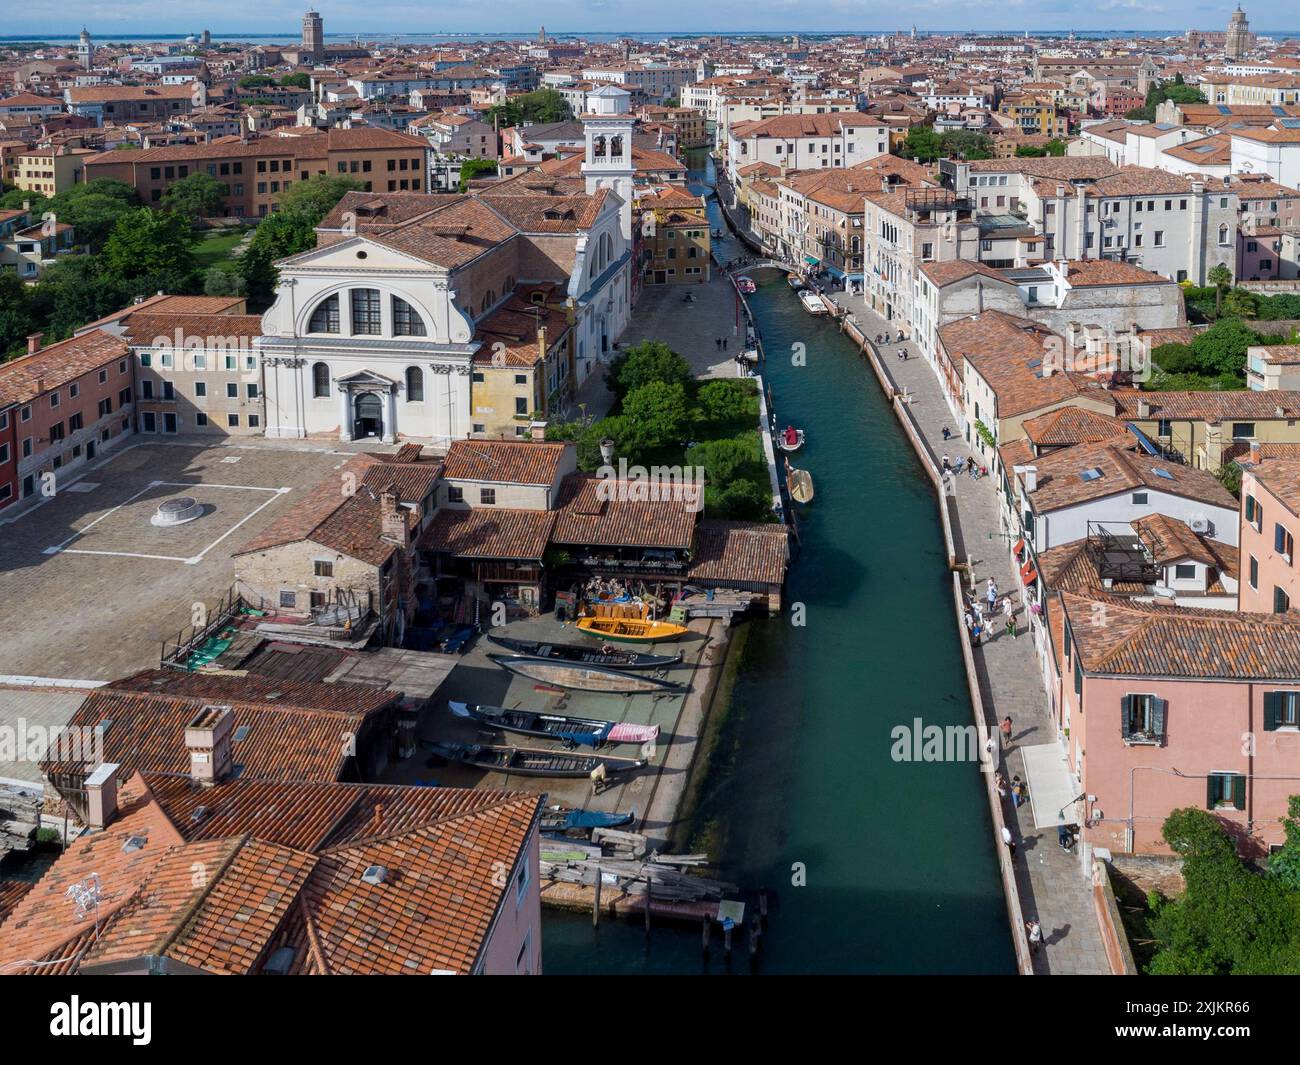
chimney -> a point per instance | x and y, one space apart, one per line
1144 408
392 522
207 737
34 343
1029 474
101 795
1255 453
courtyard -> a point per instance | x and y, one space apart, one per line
91 587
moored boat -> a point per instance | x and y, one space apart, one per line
799 482
790 439
812 303
631 630
571 731
534 762
746 285
794 281
584 677
593 656
564 819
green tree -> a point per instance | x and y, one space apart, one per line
658 415
472 168
651 360
317 196
298 80
1056 147
93 209
1029 151
148 243
728 460
1239 303
1222 348
728 402
921 144
196 197
16 321
255 81
966 144
219 282
1285 864
1220 276
541 105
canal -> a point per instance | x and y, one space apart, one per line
874 865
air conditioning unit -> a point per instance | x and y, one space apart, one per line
1199 523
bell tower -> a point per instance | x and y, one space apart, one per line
607 126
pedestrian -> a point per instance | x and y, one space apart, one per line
1011 626
1001 783
1009 841
1019 793
724 343
1063 836
946 464
717 343
977 631
1005 729
1008 610
990 748
991 593
947 433
1035 932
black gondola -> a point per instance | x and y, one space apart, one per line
533 762
614 658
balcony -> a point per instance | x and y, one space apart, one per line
1120 556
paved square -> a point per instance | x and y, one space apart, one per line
101 604
127 530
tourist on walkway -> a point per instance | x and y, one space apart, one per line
947 433
1019 793
1035 931
1001 783
991 594
1009 841
947 466
1005 729
1011 626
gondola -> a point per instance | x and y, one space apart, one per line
534 762
592 656
571 731
583 677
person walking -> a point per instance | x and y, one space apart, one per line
946 432
1005 729
991 594
947 465
1009 841
1000 782
1011 626
1019 793
1035 933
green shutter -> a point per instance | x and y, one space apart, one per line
1126 716
1210 791
1078 678
1158 715
1272 705
1239 792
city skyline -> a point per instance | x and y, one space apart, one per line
621 16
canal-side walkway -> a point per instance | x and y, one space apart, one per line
1052 887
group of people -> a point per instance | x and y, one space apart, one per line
721 343
968 466
979 617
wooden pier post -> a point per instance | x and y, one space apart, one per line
704 936
595 906
649 892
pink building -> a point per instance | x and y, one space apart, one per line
1161 707
1259 251
71 401
1270 523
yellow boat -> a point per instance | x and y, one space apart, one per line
630 630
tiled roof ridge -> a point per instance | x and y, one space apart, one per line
437 824
313 935
182 924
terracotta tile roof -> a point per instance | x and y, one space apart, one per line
533 213
1061 168
486 532
1212 407
165 304
1092 273
504 461
1170 540
1281 478
1069 426
739 551
1060 483
823 125
283 866
11 891
1141 181
1147 640
510 332
24 378
948 273
585 516
144 329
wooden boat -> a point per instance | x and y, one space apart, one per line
794 281
800 483
790 439
571 731
812 303
746 285
534 762
564 819
592 656
630 630
583 677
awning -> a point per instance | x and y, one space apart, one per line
1051 788
811 260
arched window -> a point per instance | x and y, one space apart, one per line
325 318
320 376
406 319
616 148
414 385
1223 234
598 148
366 315
606 251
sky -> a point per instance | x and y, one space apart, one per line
107 17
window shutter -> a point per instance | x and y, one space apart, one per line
1239 792
1126 717
1209 792
1272 701
1158 715
1078 677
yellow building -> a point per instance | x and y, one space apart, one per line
49 171
676 237
525 368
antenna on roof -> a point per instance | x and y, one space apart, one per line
85 894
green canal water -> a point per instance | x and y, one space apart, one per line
874 866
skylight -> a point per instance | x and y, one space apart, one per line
1162 473
1093 474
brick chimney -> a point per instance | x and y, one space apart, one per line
1144 408
208 738
1255 453
101 795
34 342
392 522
